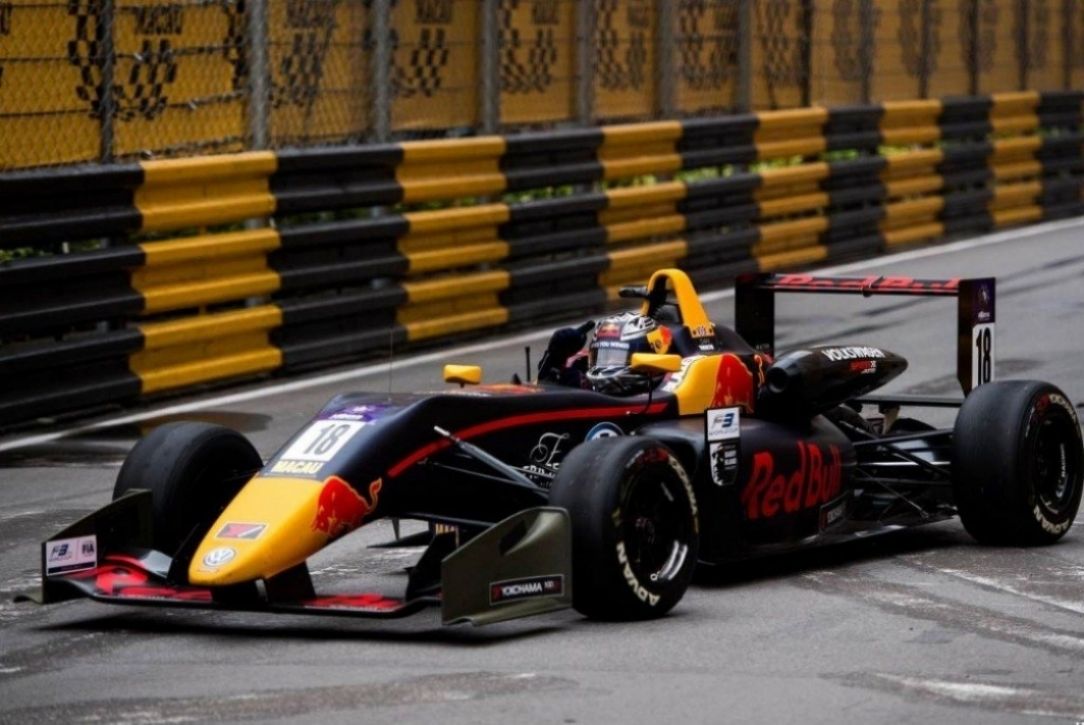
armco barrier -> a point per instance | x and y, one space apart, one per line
226 266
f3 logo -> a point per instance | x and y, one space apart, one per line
723 424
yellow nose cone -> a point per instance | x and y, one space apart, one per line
277 523
266 529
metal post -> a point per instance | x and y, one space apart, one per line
1067 45
489 68
258 75
107 102
586 30
745 56
973 61
1023 41
380 21
107 110
866 18
259 96
925 63
666 76
806 9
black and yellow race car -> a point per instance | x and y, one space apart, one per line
705 449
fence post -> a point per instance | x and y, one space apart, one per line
926 61
867 19
973 59
1023 42
380 21
489 68
745 56
585 21
106 108
258 108
1067 44
107 100
666 79
258 75
806 9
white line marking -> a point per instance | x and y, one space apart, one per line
915 603
20 584
970 691
983 581
1026 700
531 336
19 515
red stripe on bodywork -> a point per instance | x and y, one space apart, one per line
517 421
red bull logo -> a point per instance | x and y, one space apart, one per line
660 340
340 509
733 384
771 492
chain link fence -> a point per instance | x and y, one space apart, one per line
316 81
103 80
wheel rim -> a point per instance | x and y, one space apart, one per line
655 528
1055 466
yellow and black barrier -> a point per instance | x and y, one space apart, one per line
228 266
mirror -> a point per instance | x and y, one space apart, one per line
463 374
652 364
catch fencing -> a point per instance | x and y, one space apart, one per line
124 80
232 265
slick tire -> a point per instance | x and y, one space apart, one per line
1017 463
634 527
192 471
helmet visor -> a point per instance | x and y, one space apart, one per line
606 357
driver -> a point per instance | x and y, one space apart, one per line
605 367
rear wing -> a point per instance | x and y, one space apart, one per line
754 312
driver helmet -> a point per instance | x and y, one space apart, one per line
615 341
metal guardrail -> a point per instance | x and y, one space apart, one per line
227 266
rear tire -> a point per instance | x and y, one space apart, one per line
634 527
192 471
1017 463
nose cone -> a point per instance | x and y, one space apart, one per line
274 524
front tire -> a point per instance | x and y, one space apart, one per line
192 471
1017 468
634 527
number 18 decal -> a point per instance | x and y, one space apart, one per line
982 357
322 440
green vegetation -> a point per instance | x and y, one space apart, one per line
9 255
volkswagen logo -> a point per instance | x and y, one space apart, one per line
218 557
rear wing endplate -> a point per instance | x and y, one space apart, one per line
754 312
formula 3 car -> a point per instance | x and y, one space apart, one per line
543 497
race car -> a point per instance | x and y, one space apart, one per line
540 497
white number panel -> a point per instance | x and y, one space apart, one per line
322 440
982 354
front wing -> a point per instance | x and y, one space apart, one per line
518 567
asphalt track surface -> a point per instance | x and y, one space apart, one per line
920 626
